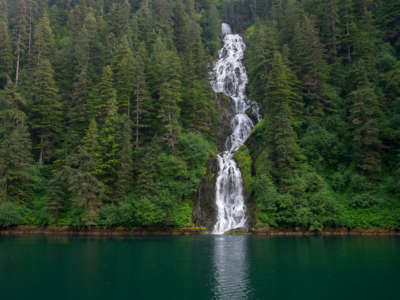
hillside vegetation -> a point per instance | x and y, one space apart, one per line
108 118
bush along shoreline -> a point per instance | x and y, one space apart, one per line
185 231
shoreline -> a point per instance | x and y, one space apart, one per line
186 231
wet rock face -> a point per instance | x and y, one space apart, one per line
226 115
205 210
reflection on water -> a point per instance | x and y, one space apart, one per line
231 267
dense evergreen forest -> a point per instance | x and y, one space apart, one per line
108 117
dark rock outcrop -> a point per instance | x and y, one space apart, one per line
205 210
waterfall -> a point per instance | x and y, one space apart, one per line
229 77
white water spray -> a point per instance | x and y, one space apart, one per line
230 78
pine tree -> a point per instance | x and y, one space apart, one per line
332 11
170 97
143 21
90 144
308 61
20 29
210 24
364 38
15 147
90 141
124 71
46 113
125 169
346 29
109 148
263 44
43 45
141 98
6 58
119 18
86 190
101 96
180 26
76 110
3 10
280 131
365 116
198 105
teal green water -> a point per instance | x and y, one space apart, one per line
200 267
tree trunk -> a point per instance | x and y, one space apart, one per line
17 69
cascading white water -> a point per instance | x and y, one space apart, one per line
230 78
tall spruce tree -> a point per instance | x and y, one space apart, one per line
124 70
85 188
43 45
6 58
280 133
46 113
101 96
308 61
170 97
20 33
142 100
109 147
125 168
365 117
15 147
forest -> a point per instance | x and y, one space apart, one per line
108 117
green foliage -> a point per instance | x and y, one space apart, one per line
11 214
112 98
39 213
364 200
244 161
46 112
6 58
15 147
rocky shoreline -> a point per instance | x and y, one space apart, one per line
99 231
137 231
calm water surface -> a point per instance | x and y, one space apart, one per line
200 267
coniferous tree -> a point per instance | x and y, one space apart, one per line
90 145
124 73
119 18
263 46
6 58
109 147
365 116
15 147
43 40
3 10
141 98
308 59
170 97
280 129
125 168
76 110
46 113
20 29
210 26
102 95
85 188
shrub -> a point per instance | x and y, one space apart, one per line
11 214
110 215
365 200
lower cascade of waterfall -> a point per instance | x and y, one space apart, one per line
230 78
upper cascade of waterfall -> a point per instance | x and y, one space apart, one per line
226 29
229 77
